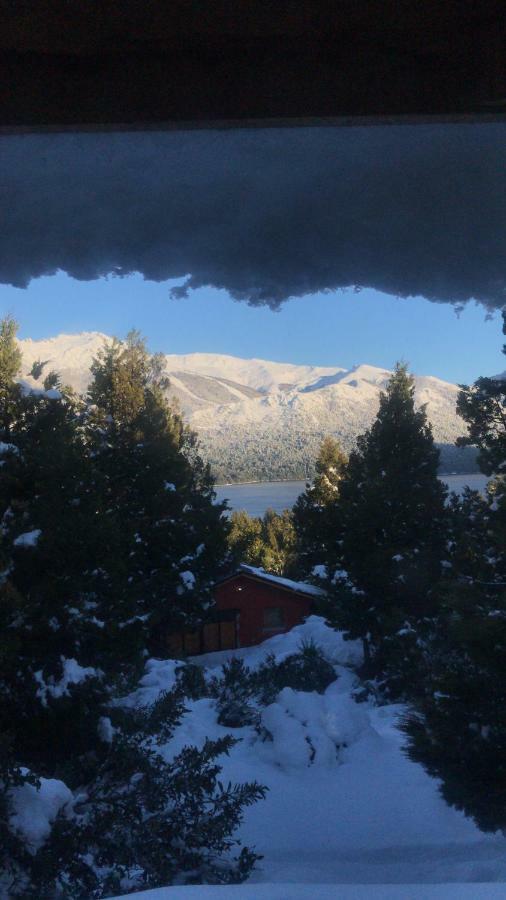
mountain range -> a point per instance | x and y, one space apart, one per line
262 420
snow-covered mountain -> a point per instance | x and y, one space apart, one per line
261 419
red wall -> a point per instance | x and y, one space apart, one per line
251 597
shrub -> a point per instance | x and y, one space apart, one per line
191 681
235 695
307 670
145 822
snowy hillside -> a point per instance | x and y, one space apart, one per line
258 419
456 891
344 804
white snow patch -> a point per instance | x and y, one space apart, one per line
8 448
35 809
188 579
301 586
322 891
160 676
73 673
105 729
28 539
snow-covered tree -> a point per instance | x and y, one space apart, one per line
109 527
458 727
50 682
146 821
392 513
167 536
483 407
10 365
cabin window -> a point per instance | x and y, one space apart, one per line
273 618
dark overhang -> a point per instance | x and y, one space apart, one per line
157 65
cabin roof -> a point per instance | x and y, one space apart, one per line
295 587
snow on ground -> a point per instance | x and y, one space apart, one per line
328 892
345 806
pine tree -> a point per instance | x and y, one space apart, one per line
483 407
393 522
166 534
268 542
457 729
315 513
10 365
50 685
145 821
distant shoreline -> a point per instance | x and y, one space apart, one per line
222 484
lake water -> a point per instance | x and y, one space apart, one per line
256 497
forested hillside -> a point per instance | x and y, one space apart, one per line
263 421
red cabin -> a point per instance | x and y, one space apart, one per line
251 606
264 604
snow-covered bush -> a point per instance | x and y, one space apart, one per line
145 821
235 695
14 856
308 670
191 681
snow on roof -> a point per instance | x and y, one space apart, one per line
300 586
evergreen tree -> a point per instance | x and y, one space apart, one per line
50 685
279 539
108 527
145 821
393 523
15 859
315 512
245 538
10 365
457 729
267 542
166 536
483 407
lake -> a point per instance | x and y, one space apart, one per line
256 497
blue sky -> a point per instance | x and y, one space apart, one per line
340 328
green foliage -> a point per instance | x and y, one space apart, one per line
37 368
10 365
10 354
109 530
235 694
307 670
191 681
289 455
483 408
268 543
14 857
458 729
316 512
393 519
240 692
144 822
158 496
47 607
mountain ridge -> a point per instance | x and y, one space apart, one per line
258 418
